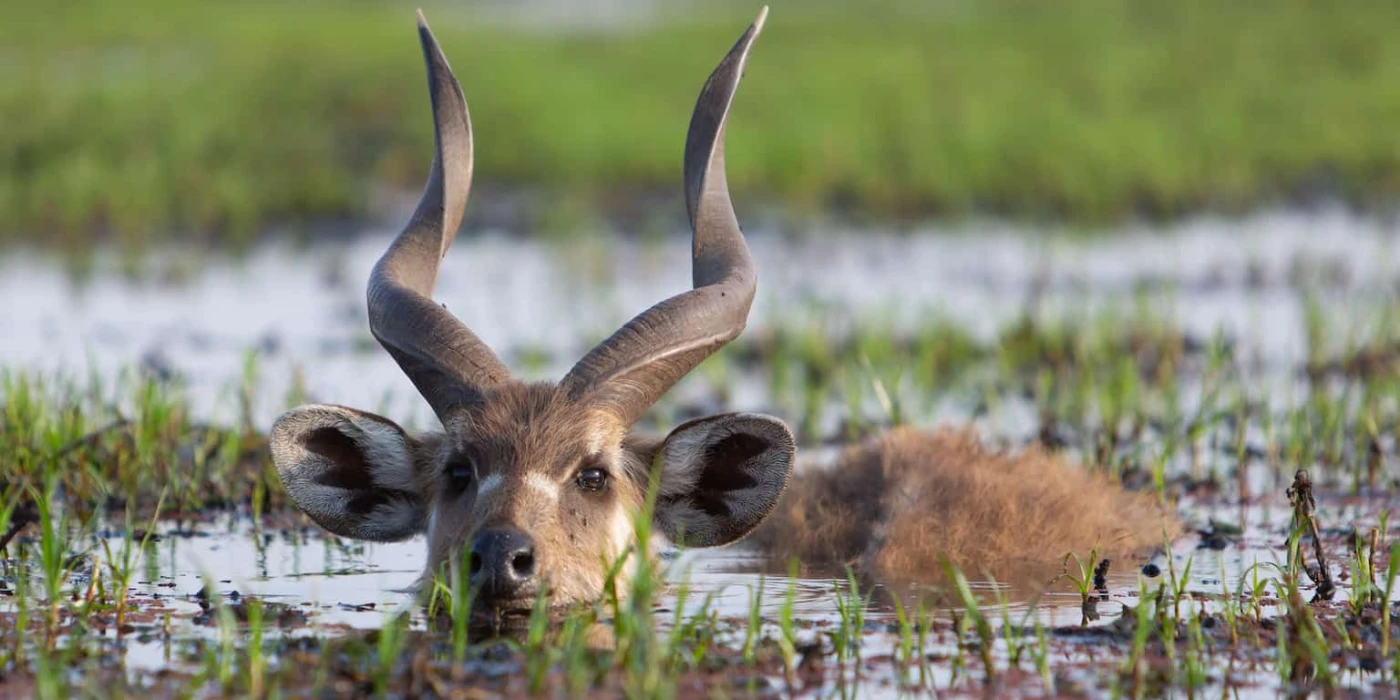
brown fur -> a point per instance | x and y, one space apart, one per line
512 462
895 505
534 431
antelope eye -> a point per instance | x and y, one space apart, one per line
460 474
592 479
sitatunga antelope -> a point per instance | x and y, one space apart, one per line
537 485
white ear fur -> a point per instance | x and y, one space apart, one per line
351 471
382 443
721 476
681 463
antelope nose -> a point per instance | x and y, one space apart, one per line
503 563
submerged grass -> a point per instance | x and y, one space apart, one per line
153 119
1128 392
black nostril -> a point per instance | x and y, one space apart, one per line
523 564
475 563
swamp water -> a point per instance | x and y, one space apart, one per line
300 313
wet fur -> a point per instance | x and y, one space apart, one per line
896 504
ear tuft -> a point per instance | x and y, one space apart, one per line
351 471
721 476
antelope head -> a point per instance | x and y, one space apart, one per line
534 487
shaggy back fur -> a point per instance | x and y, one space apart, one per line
895 505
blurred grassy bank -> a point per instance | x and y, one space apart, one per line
150 118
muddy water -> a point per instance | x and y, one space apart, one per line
541 303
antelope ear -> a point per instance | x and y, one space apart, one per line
351 471
721 476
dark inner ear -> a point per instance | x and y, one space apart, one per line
722 473
365 501
721 477
351 473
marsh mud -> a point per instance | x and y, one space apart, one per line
1206 362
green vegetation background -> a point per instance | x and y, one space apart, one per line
149 119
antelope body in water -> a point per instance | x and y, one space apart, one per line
537 484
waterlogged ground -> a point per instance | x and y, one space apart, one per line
540 303
1207 361
325 588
